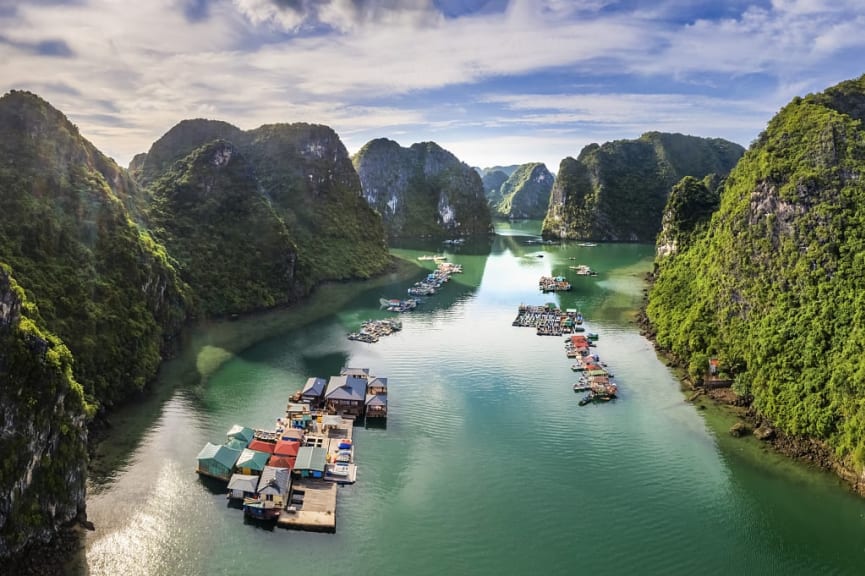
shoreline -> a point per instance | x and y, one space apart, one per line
747 422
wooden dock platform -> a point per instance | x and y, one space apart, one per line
317 510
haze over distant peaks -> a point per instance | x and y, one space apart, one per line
524 194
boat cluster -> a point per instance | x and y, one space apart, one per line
583 270
371 330
397 305
434 280
554 284
548 319
595 379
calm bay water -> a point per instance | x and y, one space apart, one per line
487 464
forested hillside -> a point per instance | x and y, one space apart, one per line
617 191
774 284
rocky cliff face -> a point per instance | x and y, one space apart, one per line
102 286
492 182
423 190
42 427
525 194
773 285
689 207
303 172
617 191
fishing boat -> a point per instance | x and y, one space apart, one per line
396 305
260 509
583 270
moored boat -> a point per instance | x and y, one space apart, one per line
260 509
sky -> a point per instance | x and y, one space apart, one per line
496 82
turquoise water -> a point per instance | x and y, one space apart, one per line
487 464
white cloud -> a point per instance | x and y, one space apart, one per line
146 65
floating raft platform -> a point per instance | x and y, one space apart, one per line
548 319
312 506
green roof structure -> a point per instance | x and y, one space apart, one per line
311 458
237 444
252 460
241 433
217 461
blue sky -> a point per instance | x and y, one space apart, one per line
493 81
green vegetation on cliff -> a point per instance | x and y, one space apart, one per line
690 206
774 285
43 431
230 245
423 190
525 194
101 284
617 191
306 171
301 173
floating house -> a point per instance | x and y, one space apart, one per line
346 394
217 461
358 372
291 435
313 392
311 462
262 446
376 405
251 462
239 437
284 454
376 398
273 489
297 414
242 486
274 485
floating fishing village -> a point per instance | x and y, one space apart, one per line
289 474
549 320
372 330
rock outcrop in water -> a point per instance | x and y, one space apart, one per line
423 190
525 194
772 285
102 286
617 191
